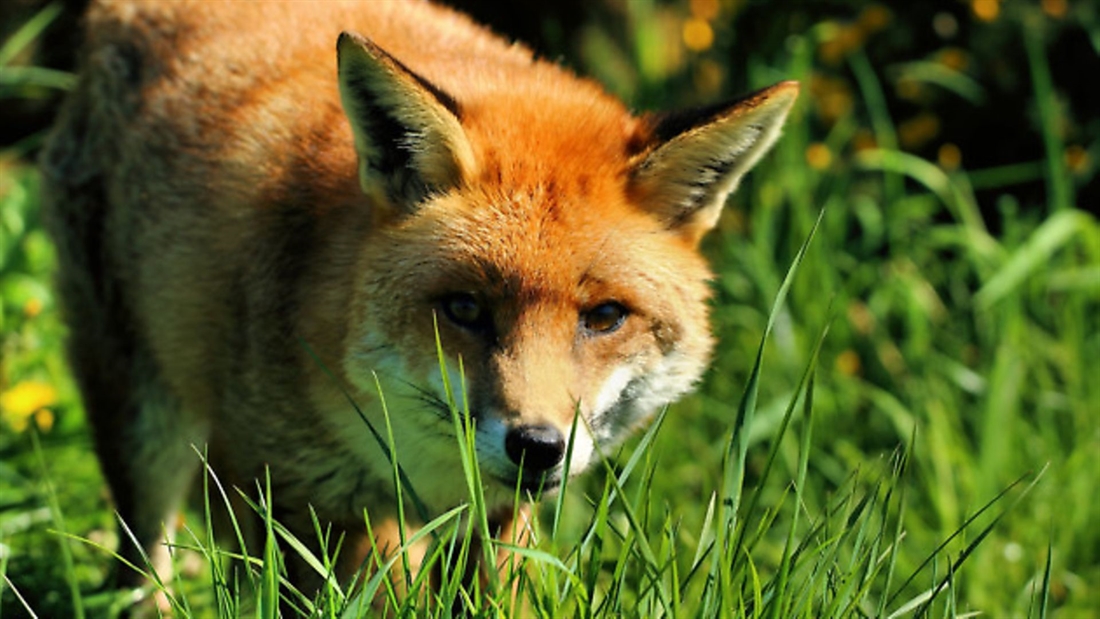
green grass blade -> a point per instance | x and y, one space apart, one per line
465 431
57 517
643 447
1044 591
27 33
19 596
955 565
12 79
737 448
936 552
781 431
395 472
559 501
885 132
900 476
268 594
1059 187
225 601
208 476
779 606
652 565
1052 235
953 193
361 602
943 76
706 543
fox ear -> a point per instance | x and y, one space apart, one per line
407 132
696 159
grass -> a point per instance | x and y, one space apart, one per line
903 424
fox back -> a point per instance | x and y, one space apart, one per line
265 210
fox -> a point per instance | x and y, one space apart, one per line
267 211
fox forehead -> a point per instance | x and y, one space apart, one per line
581 140
541 245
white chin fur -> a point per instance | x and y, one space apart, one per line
611 391
584 450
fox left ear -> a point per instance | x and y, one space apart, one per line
696 159
407 131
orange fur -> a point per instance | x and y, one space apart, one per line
229 193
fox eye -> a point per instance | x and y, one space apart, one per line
464 310
604 318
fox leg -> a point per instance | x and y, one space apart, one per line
165 447
142 441
145 451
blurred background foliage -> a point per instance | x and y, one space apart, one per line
955 78
955 147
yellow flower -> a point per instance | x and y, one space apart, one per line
864 140
949 157
861 318
986 10
848 363
818 156
839 41
698 35
918 131
708 77
704 9
24 400
953 58
1055 8
43 418
875 18
1077 158
832 97
32 308
910 89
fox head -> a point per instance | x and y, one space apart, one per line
551 239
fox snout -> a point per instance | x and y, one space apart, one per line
535 448
528 450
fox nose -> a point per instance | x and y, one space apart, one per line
538 448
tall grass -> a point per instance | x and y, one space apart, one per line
628 558
901 419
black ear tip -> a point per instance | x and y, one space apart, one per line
787 90
350 40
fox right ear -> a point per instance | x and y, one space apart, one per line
407 132
695 160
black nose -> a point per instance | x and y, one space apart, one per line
538 448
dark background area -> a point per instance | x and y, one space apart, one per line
984 51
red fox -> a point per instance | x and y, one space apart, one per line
262 208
